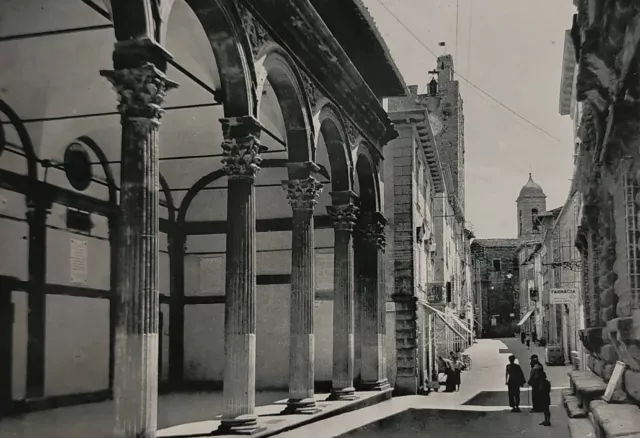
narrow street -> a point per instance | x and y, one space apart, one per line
480 409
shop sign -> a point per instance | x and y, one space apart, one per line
563 296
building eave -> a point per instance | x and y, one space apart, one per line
420 118
353 26
568 74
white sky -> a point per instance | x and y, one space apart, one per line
511 49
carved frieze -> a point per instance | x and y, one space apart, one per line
256 33
313 94
303 194
352 132
140 90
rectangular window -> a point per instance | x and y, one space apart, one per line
497 265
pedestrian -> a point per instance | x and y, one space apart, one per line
528 341
456 368
536 378
514 379
450 385
522 336
544 399
458 373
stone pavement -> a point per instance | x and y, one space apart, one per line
476 409
449 415
95 420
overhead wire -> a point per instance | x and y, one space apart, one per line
467 81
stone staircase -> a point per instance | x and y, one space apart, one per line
589 416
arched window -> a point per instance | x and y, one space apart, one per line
534 219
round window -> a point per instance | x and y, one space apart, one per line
77 166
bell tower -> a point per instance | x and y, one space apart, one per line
531 202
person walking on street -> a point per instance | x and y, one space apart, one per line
522 336
528 341
456 368
514 379
536 379
544 399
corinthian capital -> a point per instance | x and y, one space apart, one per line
371 229
241 147
303 193
344 217
141 90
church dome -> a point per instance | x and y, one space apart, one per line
531 190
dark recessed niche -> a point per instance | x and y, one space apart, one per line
77 166
79 220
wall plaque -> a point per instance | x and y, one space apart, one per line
78 261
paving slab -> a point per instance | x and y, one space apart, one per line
581 428
617 420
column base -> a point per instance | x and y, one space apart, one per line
241 425
344 394
306 406
378 385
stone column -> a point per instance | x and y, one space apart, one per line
372 234
38 209
303 191
344 215
141 86
242 151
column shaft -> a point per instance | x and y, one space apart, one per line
242 157
344 217
374 308
141 91
302 194
37 212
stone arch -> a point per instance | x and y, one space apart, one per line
222 25
25 140
333 131
274 66
168 197
366 171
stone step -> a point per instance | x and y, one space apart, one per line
581 428
574 410
616 420
587 386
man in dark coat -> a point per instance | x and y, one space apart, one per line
536 380
514 379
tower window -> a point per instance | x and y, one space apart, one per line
534 219
497 265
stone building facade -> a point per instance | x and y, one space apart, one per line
146 245
427 245
600 90
496 281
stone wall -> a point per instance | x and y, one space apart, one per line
497 290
